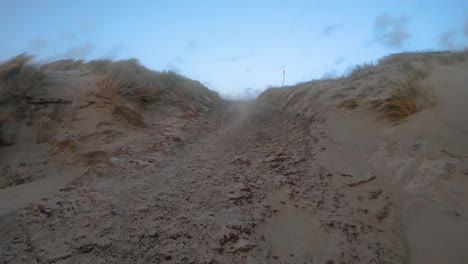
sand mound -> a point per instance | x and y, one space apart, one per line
75 112
404 121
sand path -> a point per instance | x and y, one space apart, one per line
245 190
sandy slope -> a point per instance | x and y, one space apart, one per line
246 190
293 177
422 161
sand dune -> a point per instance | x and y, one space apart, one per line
109 162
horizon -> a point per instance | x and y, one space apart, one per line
236 49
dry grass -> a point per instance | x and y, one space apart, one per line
361 71
3 118
128 114
441 57
113 88
130 80
411 98
18 77
63 65
110 88
348 103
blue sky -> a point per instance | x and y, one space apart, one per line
232 45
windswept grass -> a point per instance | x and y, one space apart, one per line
18 77
3 119
348 103
360 71
112 88
133 81
129 79
63 65
440 57
409 99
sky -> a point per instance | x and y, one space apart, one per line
234 47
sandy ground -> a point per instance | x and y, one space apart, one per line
246 190
289 178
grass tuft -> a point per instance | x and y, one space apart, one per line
348 103
409 99
18 77
110 88
63 65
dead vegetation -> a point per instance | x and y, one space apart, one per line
18 77
128 114
439 57
63 65
18 80
3 119
361 71
133 81
393 88
411 98
348 103
109 88
129 87
409 95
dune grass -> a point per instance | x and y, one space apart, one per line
348 103
3 119
110 88
18 77
360 71
409 99
130 80
63 65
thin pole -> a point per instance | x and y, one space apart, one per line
282 84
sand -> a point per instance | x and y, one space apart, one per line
293 177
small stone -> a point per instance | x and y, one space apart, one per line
176 139
44 210
242 245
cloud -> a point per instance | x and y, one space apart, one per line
70 37
172 67
175 63
391 31
191 46
113 53
330 74
329 29
75 52
38 44
446 40
339 60
207 83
